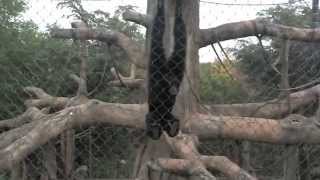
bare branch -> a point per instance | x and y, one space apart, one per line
269 109
186 167
226 166
8 137
79 24
185 147
45 100
75 78
51 126
129 82
176 166
37 92
55 102
115 74
133 50
19 120
291 130
256 27
138 18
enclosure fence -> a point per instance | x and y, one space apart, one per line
43 77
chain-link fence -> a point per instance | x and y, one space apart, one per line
75 82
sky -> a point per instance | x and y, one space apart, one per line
212 13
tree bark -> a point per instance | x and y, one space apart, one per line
291 161
256 27
50 161
274 108
315 13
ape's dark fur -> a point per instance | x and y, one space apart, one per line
165 75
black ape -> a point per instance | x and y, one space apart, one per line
165 75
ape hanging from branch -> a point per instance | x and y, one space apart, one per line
165 74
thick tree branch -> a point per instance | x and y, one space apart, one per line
19 120
55 102
8 137
291 130
213 163
256 27
269 109
120 80
44 99
175 166
75 78
227 167
138 18
37 92
130 83
133 50
185 147
52 125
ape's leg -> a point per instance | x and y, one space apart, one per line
176 67
176 62
157 83
171 125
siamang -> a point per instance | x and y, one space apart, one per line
165 74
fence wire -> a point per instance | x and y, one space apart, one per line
239 72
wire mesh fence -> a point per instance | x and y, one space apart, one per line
257 90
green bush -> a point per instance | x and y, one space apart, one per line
217 86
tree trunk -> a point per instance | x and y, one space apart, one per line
291 163
67 147
17 173
245 156
315 13
304 162
50 161
186 99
